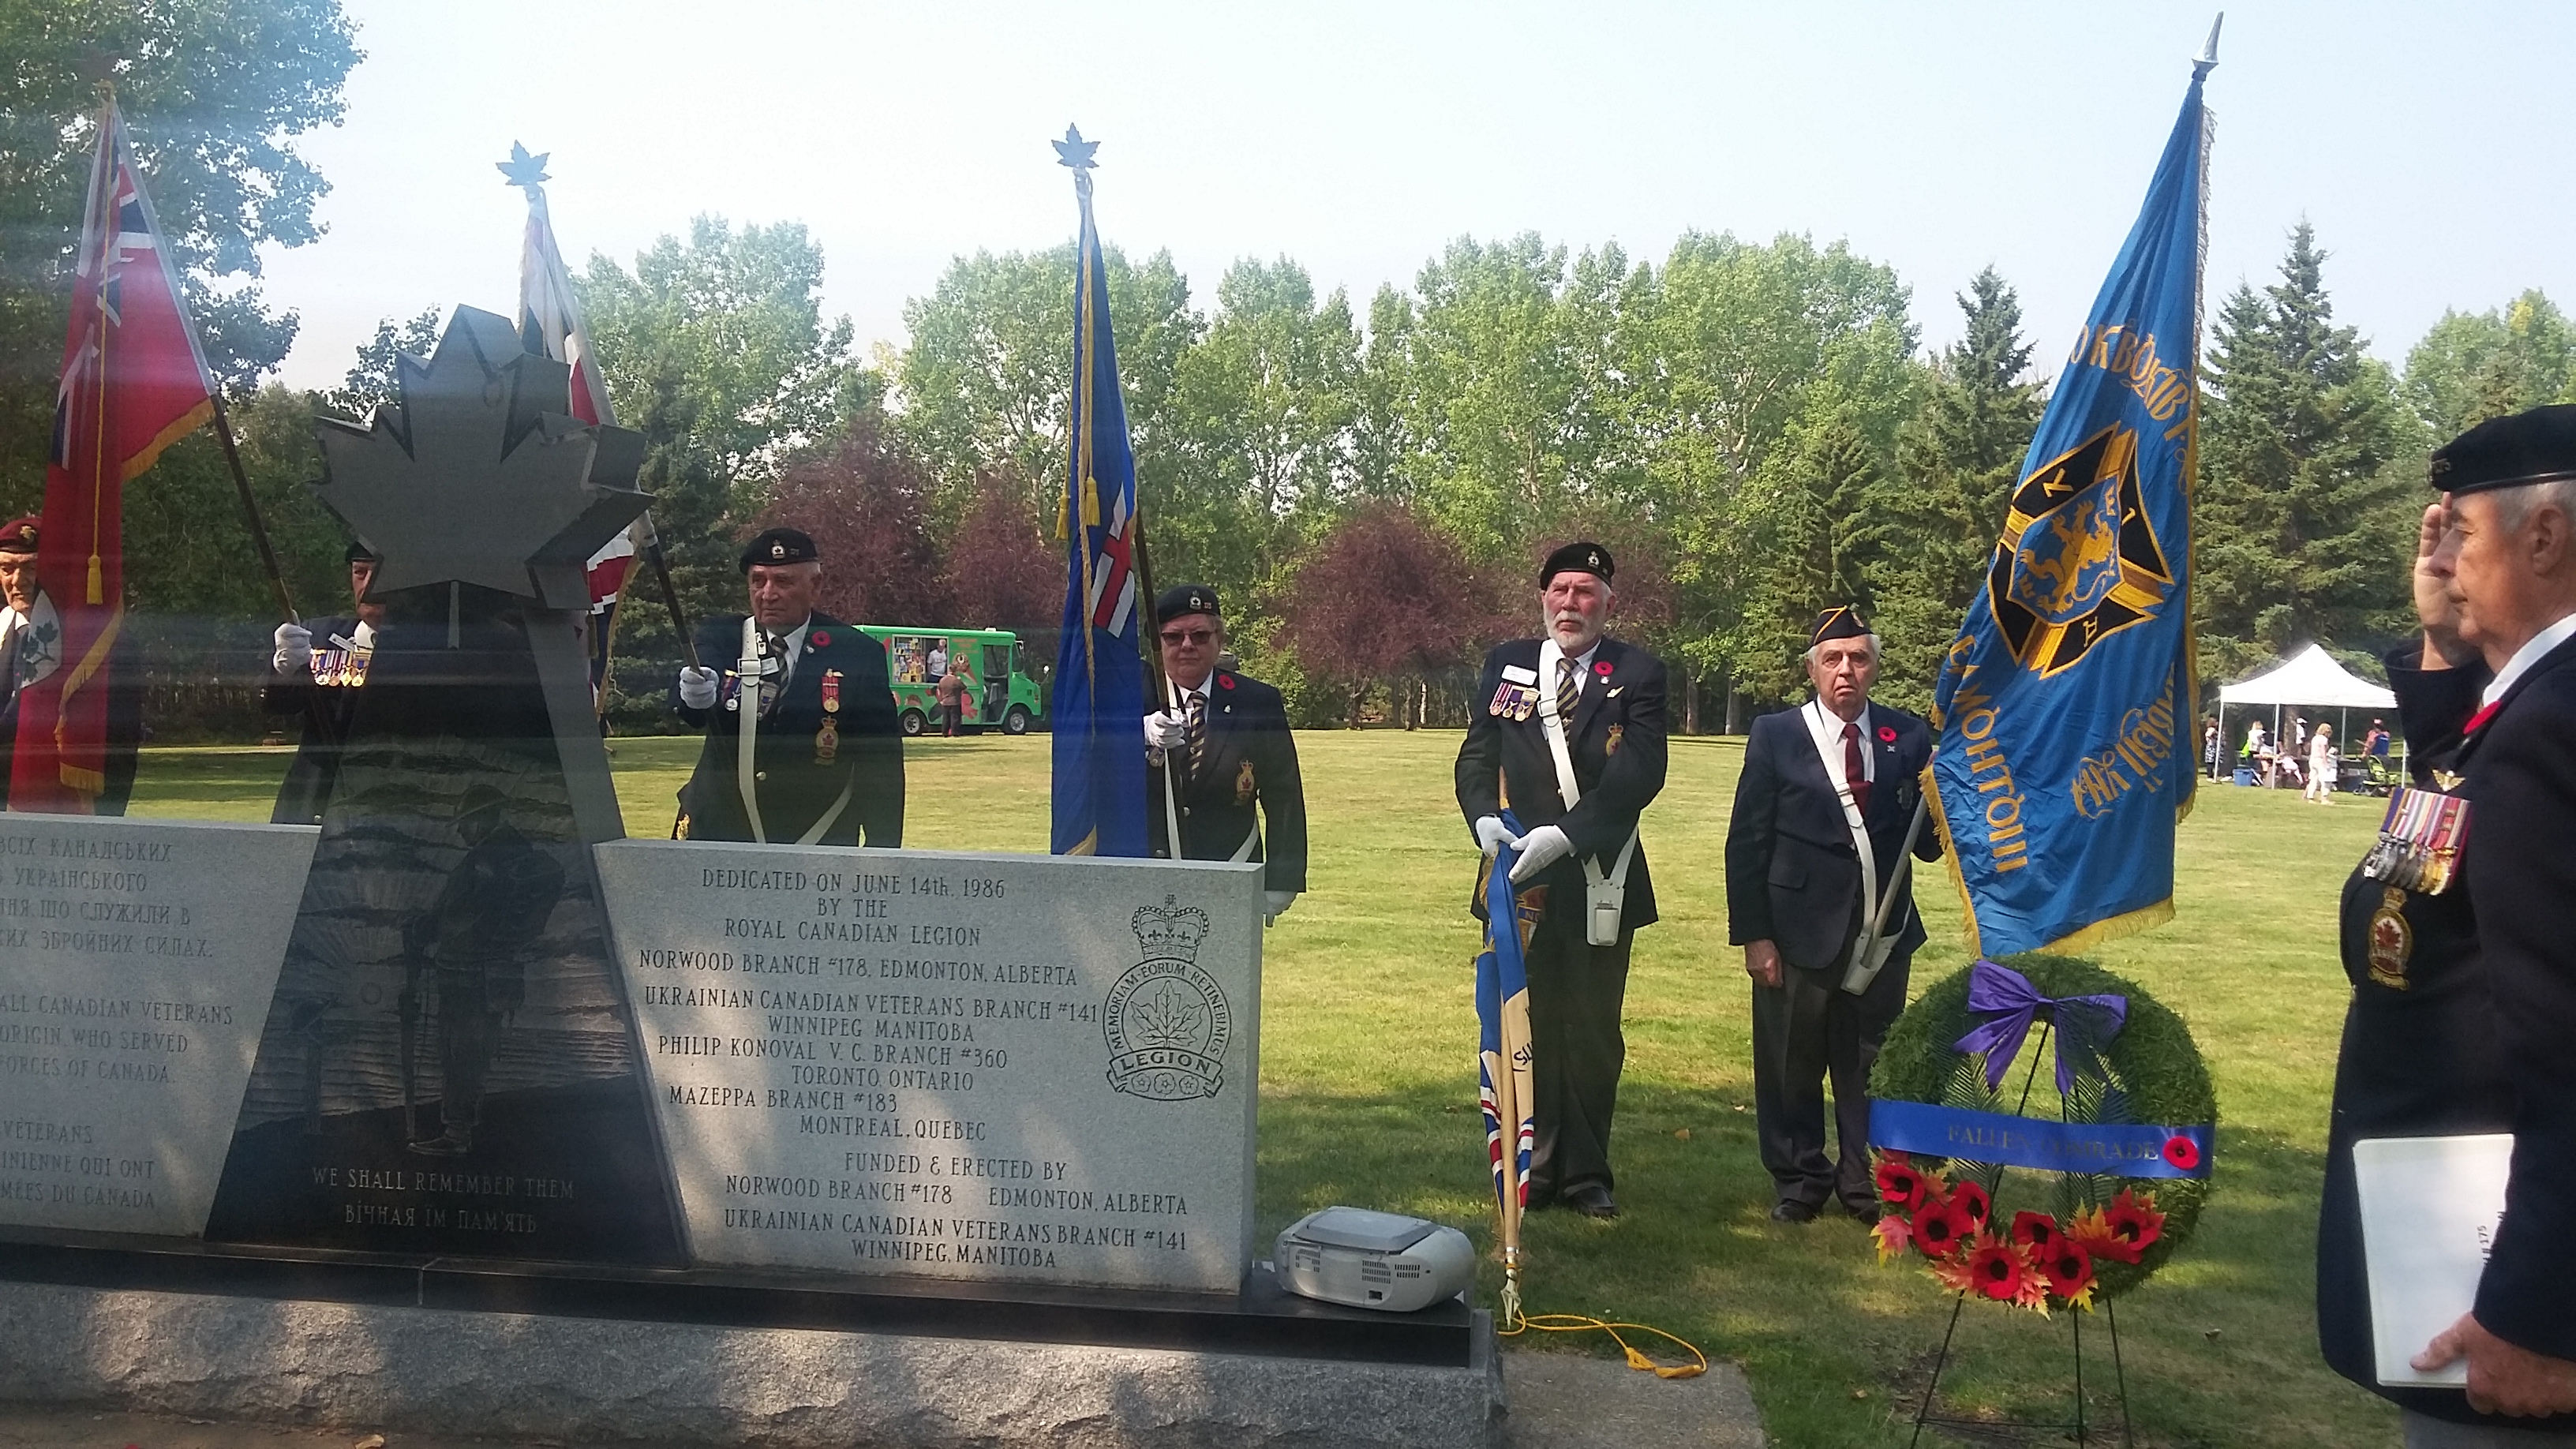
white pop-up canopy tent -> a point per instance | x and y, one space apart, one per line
2310 677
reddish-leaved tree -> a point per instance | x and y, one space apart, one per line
1001 572
864 503
1385 599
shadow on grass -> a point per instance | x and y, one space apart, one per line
1840 1347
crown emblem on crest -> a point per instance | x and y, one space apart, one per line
1170 933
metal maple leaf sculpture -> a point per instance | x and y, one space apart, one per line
478 477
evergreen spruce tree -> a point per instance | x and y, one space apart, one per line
1933 521
2302 521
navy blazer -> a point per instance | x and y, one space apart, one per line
1250 758
1616 746
2519 862
1792 871
796 787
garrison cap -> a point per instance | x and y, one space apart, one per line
1186 599
360 553
18 535
1842 621
780 546
1579 557
2538 446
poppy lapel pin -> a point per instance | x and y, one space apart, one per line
1225 681
822 639
1601 667
1887 736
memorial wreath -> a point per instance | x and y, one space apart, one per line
2123 1165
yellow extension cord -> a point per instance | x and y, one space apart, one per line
1578 1323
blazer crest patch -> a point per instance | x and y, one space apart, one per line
1243 784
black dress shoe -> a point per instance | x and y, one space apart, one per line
1592 1200
1864 1212
1785 1211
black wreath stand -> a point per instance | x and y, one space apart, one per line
2081 1428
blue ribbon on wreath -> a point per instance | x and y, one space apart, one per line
2005 1004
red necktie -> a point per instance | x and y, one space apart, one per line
1855 769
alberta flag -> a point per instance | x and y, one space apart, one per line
1099 669
2064 707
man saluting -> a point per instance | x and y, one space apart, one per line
802 742
1570 733
1226 748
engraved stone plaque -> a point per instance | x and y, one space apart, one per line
136 963
1000 1067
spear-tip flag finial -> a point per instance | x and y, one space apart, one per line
1075 152
523 169
2208 60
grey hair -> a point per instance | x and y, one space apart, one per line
2514 506
1873 650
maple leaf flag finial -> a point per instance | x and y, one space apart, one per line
523 169
1075 152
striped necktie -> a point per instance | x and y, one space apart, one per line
1198 732
1567 694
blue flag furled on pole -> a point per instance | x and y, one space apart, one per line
2064 703
1099 670
1504 1084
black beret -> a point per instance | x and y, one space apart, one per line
18 535
1842 621
1579 557
1186 599
779 546
2528 447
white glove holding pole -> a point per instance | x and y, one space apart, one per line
1540 849
1492 835
1276 904
698 688
1166 731
294 649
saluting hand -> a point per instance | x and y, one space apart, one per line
2434 607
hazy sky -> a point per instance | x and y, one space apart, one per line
2428 145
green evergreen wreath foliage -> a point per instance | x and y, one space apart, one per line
2153 1074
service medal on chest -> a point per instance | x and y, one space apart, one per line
827 740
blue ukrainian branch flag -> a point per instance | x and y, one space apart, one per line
2064 704
1099 806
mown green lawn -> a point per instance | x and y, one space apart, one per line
1368 1088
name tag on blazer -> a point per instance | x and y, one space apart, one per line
1518 675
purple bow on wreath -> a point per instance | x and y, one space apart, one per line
2004 1002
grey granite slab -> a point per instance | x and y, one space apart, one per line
1000 1067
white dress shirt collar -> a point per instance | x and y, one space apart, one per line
1827 728
2529 655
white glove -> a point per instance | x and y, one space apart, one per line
1276 905
294 649
1492 835
698 688
1540 849
1166 731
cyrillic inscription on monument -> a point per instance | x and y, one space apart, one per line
1024 1068
136 963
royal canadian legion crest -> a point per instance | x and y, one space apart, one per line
2078 560
1168 1021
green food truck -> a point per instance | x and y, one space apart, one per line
990 659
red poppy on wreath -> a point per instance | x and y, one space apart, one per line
1970 1202
2037 1231
1939 1229
2123 1231
1887 734
1997 1270
822 640
1902 1186
2069 1270
1601 667
2182 1152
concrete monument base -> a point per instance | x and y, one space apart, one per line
501 1375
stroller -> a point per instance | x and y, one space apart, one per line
2379 776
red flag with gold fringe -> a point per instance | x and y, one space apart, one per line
133 382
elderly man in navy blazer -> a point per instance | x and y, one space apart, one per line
1568 734
1827 800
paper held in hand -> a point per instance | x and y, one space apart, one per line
2429 1209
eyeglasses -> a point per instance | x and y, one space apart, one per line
1188 636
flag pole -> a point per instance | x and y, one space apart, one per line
250 512
671 596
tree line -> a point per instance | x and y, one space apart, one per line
1753 427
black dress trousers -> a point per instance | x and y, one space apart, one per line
1576 991
1806 1030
